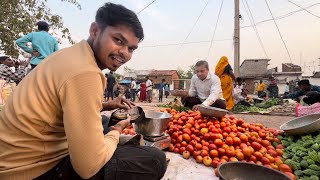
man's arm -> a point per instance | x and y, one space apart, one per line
88 148
56 46
316 88
192 89
22 43
293 95
214 92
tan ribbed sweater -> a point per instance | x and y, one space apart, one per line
55 112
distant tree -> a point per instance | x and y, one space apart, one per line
19 17
185 74
117 76
127 69
190 72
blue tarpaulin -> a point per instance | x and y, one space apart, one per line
125 81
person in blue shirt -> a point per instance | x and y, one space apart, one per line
304 88
161 89
43 44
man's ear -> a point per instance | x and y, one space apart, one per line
93 31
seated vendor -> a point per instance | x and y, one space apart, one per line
241 99
205 89
6 72
304 88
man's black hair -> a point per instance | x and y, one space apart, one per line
202 63
113 14
304 82
43 26
239 79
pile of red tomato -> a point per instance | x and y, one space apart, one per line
213 142
128 131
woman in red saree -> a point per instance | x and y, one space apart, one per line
143 91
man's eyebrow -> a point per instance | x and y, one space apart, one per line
126 41
134 47
122 37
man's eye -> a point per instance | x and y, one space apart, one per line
119 41
131 49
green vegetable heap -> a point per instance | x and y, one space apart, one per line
302 154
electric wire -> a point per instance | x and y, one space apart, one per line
176 44
215 28
193 26
283 16
304 9
145 7
278 31
255 28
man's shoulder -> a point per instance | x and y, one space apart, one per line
214 78
194 77
316 87
76 58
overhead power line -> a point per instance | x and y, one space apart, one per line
278 31
283 16
194 25
304 9
177 44
146 7
215 28
255 28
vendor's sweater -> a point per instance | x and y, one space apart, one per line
55 112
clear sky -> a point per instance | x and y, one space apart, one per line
170 21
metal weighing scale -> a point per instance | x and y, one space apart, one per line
160 142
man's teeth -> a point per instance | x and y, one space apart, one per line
118 59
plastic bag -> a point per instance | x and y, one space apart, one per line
306 110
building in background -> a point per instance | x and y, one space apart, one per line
171 76
252 71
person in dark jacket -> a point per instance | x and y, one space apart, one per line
304 88
273 89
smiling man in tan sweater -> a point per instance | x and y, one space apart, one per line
50 127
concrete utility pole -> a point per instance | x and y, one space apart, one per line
236 39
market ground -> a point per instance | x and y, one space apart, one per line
182 169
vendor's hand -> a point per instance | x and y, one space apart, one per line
24 63
35 53
16 63
195 108
118 102
121 125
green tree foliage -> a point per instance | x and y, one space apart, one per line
19 17
186 74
